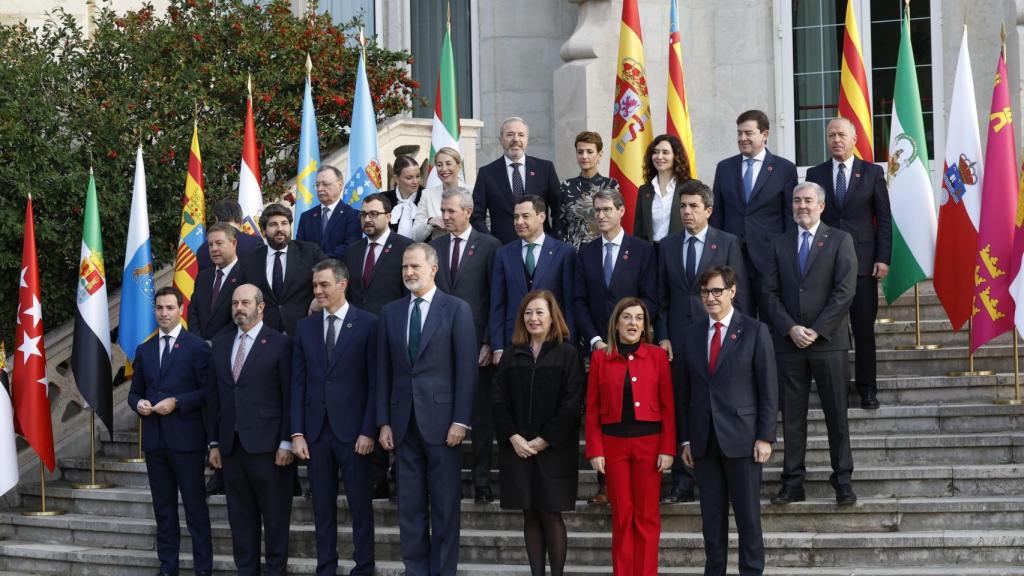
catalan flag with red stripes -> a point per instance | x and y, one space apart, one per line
678 108
192 236
854 97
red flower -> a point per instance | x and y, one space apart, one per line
197 36
339 100
112 154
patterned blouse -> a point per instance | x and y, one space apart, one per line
575 222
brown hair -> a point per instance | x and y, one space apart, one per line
590 138
627 302
726 272
558 332
680 163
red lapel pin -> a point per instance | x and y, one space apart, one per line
714 246
820 244
770 168
263 340
732 336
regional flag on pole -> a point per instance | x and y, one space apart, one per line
364 173
90 356
309 154
632 112
8 445
250 197
192 234
445 130
137 323
909 180
1017 286
29 381
960 199
994 310
854 97
678 109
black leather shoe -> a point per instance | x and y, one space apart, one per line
382 491
483 495
215 485
845 495
677 496
788 495
869 401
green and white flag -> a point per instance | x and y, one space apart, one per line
914 221
445 130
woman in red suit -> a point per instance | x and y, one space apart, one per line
631 433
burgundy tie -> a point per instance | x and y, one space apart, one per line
716 347
217 285
455 260
368 267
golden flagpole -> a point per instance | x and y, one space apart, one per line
92 484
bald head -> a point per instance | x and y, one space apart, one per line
247 306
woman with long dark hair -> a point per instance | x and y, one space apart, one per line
657 202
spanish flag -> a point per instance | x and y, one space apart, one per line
854 98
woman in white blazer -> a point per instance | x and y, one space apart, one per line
428 225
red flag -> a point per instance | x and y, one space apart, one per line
31 405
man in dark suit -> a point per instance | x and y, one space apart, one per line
502 183
282 270
332 225
535 261
229 212
857 201
682 258
728 398
333 414
168 391
250 432
378 278
209 310
753 198
809 284
428 370
465 267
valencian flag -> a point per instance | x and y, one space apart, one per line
854 98
364 173
90 356
309 154
445 131
678 109
8 444
909 180
960 200
137 323
192 234
631 119
28 373
994 307
250 197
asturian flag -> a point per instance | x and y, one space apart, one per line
192 232
445 130
90 356
364 173
309 154
137 322
8 444
250 196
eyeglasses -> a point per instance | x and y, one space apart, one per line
607 210
371 215
716 292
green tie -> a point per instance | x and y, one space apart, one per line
531 264
415 327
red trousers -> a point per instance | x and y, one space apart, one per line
634 492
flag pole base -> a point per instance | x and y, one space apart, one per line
102 486
970 373
883 320
42 513
902 347
1007 402
133 460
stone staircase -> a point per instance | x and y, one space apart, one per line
939 471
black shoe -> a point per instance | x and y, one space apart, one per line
382 491
483 495
215 485
677 495
788 495
845 495
869 401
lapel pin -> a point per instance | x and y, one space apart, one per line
856 174
349 325
714 246
234 280
770 168
532 173
820 244
469 252
176 345
263 340
626 255
732 336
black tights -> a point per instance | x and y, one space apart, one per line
545 531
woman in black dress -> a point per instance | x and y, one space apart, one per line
536 420
574 224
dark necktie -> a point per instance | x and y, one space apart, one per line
454 267
166 351
748 179
217 286
517 182
841 185
716 347
277 282
368 265
805 249
691 259
609 263
324 220
331 337
415 327
530 262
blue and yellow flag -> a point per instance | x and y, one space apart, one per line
364 173
309 154
137 322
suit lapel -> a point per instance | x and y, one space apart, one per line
674 260
710 247
444 256
732 336
227 288
172 354
467 254
438 309
530 173
316 219
250 357
791 252
385 254
503 178
853 180
547 252
344 330
766 169
291 270
737 171
817 246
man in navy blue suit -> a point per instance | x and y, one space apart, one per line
250 433
502 183
333 413
753 196
229 212
168 391
333 224
535 261
427 377
727 397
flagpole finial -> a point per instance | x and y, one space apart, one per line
1002 35
309 66
248 84
449 20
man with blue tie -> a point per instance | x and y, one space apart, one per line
753 192
427 361
333 225
333 413
168 391
535 261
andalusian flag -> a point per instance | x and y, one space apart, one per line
364 173
90 356
914 221
678 108
192 235
250 197
854 98
137 322
445 131
309 154
631 133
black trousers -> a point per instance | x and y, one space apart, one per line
483 429
863 312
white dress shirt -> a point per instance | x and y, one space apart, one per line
711 330
271 255
538 247
376 245
698 247
174 333
758 163
227 270
330 210
424 308
340 315
661 208
800 236
848 170
462 245
521 168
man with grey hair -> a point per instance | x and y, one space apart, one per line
809 283
333 224
500 184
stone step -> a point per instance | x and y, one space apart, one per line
938 331
995 357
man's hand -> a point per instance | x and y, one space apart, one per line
539 444
283 457
215 458
485 356
762 451
597 463
687 455
364 445
802 337
496 357
166 406
600 345
456 434
387 439
300 448
666 345
521 447
665 462
313 308
880 270
144 408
